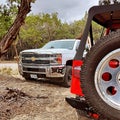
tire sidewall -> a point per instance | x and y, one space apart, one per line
68 72
100 50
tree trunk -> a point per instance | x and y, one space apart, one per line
13 31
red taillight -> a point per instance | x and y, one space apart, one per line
76 72
75 83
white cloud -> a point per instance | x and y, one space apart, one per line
68 10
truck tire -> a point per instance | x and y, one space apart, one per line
67 77
100 76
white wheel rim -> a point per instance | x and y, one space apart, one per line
107 79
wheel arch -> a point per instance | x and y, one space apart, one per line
69 63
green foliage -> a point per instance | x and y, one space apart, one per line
39 29
7 15
97 31
30 32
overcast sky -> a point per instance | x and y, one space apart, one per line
68 10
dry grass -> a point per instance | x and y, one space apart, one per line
8 71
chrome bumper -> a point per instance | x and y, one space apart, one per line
47 71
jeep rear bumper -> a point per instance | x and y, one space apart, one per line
77 103
80 103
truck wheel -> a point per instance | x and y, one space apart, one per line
100 76
67 77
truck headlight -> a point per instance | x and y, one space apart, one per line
56 59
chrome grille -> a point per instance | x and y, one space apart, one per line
34 58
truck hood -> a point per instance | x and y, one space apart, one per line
47 51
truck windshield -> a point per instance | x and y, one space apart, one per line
59 44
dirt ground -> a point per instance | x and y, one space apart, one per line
33 100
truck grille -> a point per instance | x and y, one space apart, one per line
34 58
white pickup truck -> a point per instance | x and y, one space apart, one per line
52 61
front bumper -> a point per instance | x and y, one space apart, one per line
46 71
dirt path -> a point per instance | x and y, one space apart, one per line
33 100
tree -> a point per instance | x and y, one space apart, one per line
10 36
104 2
7 13
39 29
107 2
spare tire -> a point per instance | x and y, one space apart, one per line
100 76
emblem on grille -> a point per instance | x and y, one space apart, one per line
33 59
